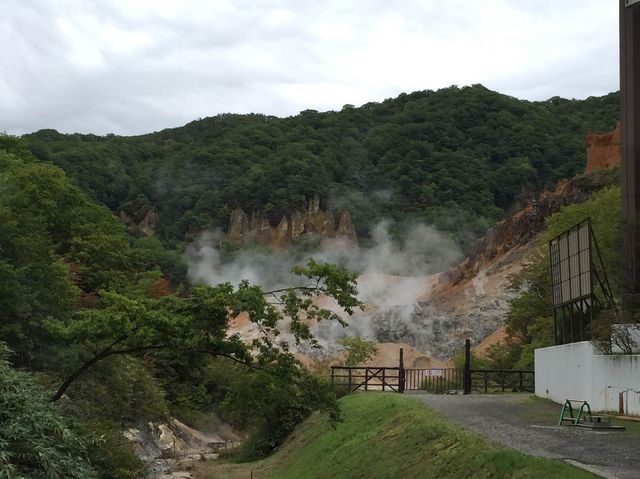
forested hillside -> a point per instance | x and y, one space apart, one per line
97 334
456 158
99 329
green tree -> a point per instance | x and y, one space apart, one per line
359 350
57 246
198 324
271 400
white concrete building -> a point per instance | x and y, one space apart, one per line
608 382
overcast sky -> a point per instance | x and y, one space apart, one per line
135 66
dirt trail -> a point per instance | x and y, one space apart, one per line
529 424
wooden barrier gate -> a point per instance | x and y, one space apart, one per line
354 378
367 378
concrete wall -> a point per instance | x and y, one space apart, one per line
580 371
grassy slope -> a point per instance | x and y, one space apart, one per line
391 436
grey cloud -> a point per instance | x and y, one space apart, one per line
133 67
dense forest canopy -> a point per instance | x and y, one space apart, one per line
456 158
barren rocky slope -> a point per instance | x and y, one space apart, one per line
471 299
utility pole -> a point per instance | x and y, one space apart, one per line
630 146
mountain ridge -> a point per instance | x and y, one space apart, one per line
456 158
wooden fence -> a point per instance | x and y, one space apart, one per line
434 380
367 378
501 380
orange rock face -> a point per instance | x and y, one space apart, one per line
603 151
312 221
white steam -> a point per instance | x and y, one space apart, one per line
271 270
392 277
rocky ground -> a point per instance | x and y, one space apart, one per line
171 448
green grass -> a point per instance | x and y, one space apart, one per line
393 436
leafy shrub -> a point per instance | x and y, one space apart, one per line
36 440
271 402
112 456
358 350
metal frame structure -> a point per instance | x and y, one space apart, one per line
630 146
572 273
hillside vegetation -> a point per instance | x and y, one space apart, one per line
95 336
455 158
387 436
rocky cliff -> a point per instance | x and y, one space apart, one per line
145 224
171 448
519 229
139 215
603 151
515 231
313 221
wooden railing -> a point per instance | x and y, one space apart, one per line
435 380
367 378
501 380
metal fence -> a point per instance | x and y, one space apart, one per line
435 380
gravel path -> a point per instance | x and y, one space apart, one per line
529 424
